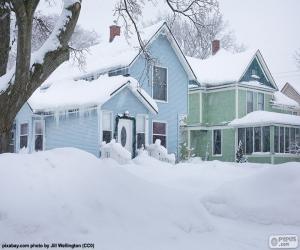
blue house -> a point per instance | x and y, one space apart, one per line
120 95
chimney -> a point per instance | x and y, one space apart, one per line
215 46
114 30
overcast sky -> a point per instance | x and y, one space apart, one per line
269 25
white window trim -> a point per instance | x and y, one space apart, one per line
101 124
145 117
19 134
160 121
257 94
212 144
34 134
167 75
247 101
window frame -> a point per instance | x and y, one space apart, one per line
144 117
20 134
213 142
111 124
167 81
263 104
252 92
166 135
43 133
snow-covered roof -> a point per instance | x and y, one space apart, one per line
295 86
122 51
225 67
258 118
70 94
282 99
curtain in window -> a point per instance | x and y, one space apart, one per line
160 83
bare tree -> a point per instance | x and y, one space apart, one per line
191 13
195 40
30 71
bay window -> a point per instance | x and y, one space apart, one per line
260 101
250 101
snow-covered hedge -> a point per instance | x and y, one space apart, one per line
115 151
159 152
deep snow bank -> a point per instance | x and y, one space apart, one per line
269 196
67 195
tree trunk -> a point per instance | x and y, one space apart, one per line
4 39
4 141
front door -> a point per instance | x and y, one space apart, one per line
125 133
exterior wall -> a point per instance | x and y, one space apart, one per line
79 132
24 116
194 108
177 104
219 107
202 142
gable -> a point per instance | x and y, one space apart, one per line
123 101
258 72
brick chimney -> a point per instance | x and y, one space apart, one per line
114 30
215 46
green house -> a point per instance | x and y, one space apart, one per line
236 101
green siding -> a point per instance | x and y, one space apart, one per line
219 107
194 111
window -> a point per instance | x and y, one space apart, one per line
281 140
287 140
140 131
160 87
106 126
253 72
249 140
249 101
12 141
276 139
257 139
38 135
23 135
241 137
260 101
160 132
217 142
266 139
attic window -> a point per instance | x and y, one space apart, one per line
254 74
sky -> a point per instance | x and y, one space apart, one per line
269 25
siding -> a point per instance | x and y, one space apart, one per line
79 132
194 108
177 105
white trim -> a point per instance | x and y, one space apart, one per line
34 134
152 81
28 135
212 143
200 108
236 102
160 121
208 128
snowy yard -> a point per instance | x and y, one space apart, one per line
70 196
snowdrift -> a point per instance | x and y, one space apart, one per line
269 197
70 196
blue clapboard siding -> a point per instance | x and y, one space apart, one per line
177 104
79 132
24 116
124 101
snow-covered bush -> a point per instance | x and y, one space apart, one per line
115 151
239 155
159 152
295 148
185 151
